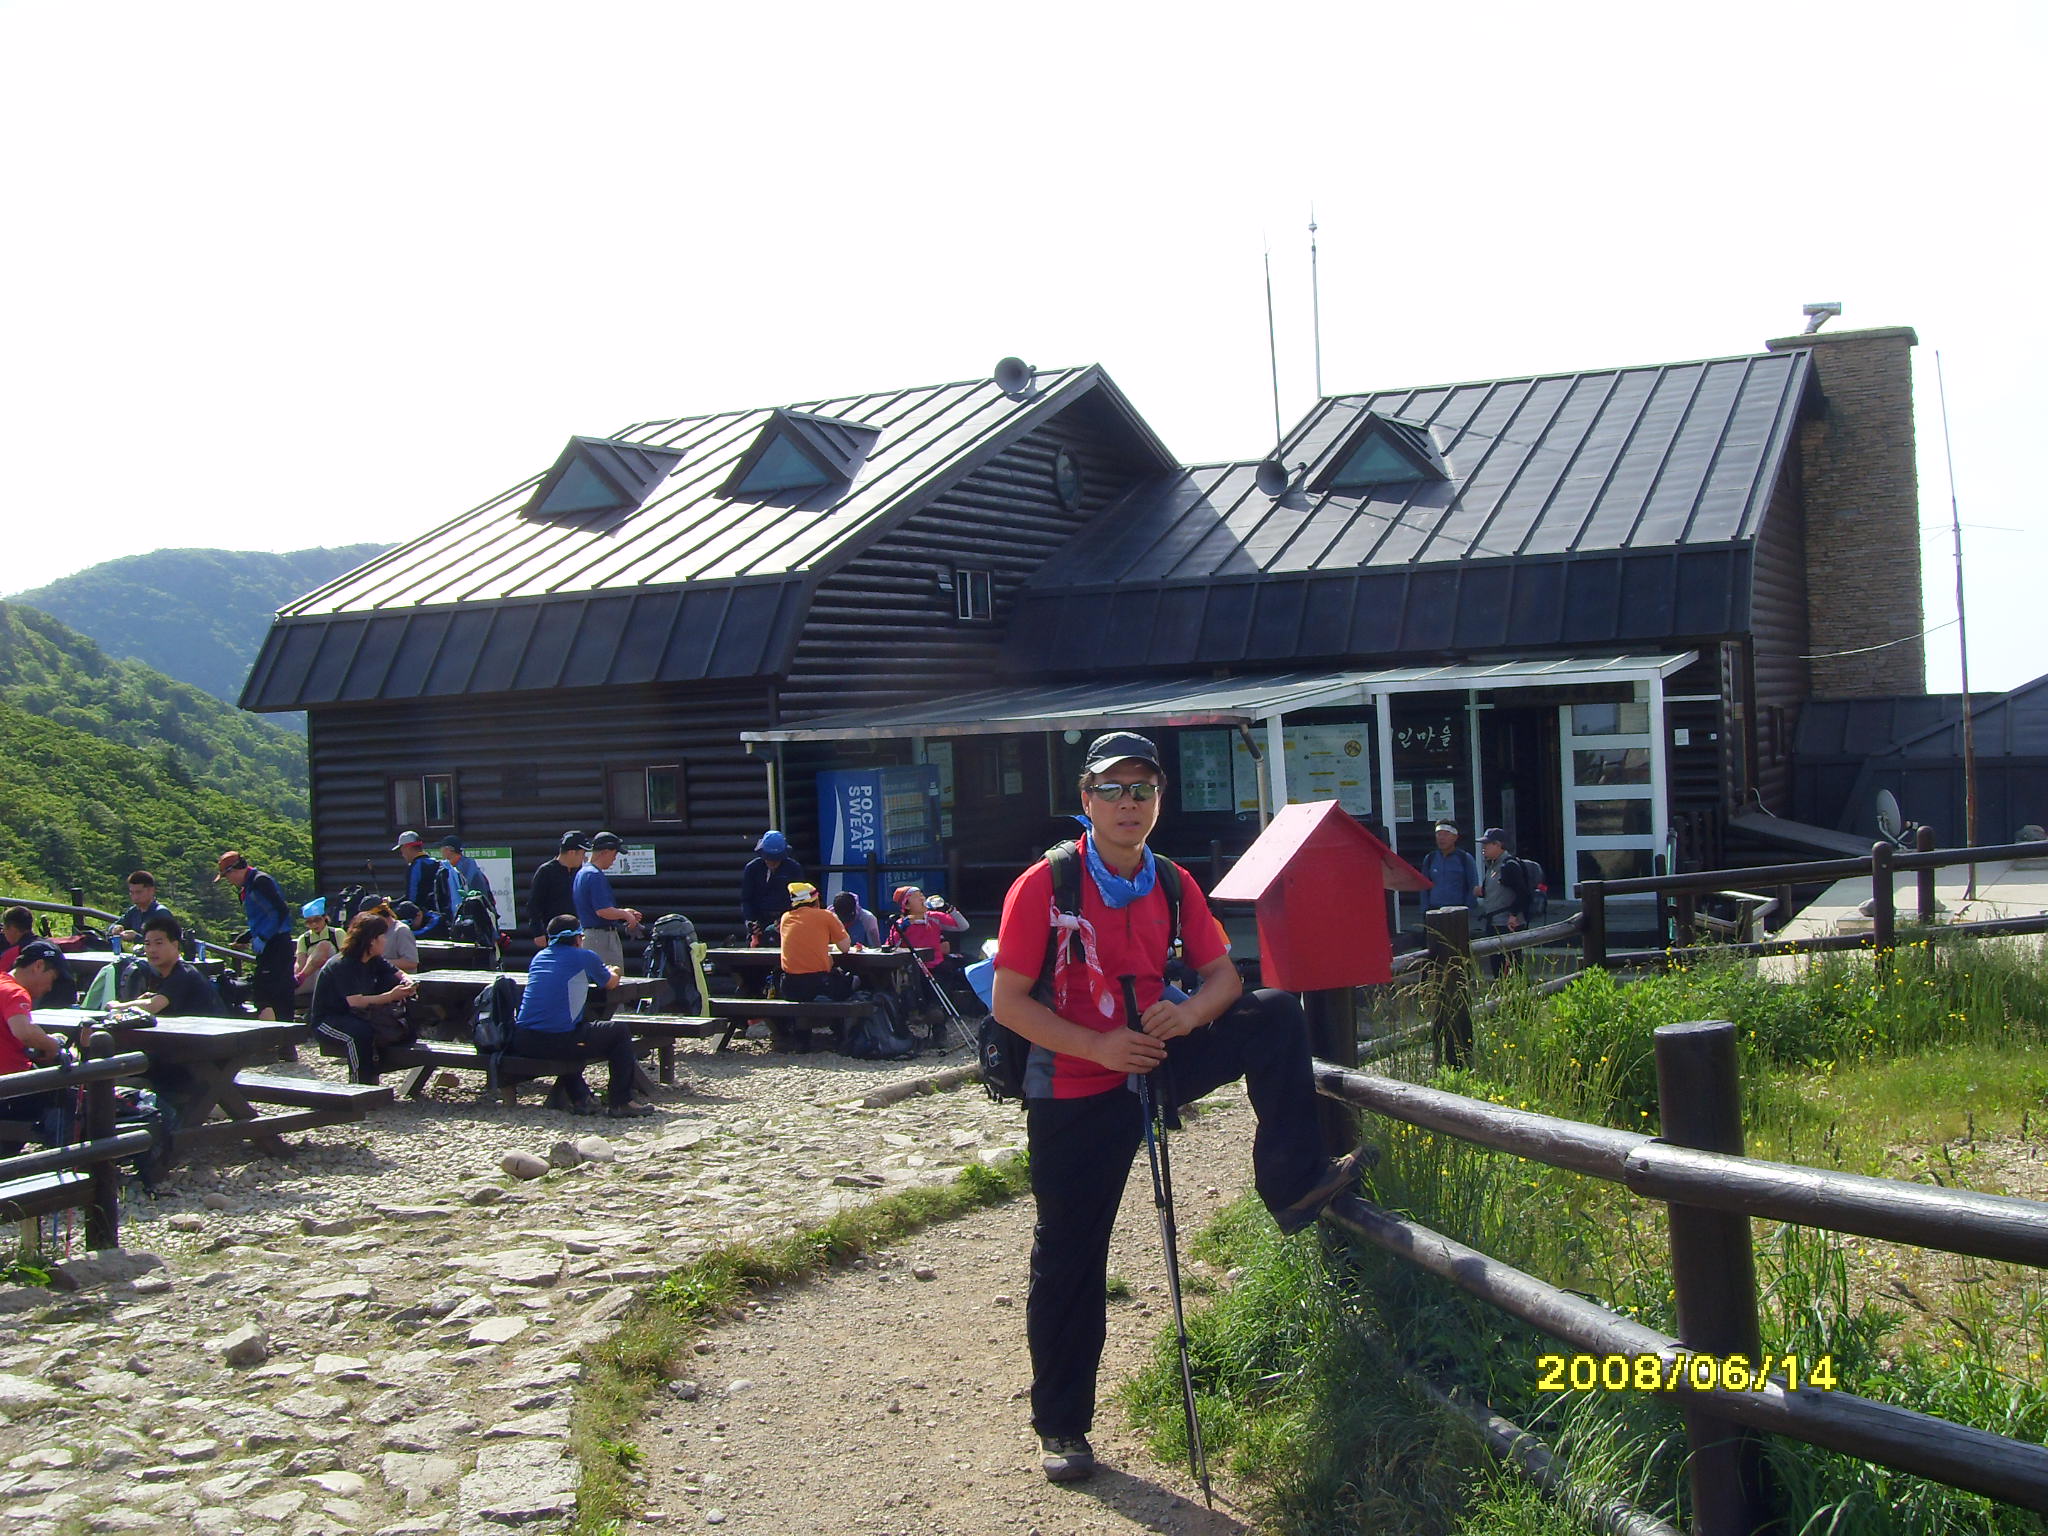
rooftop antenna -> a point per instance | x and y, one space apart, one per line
1273 351
1315 291
1818 315
1962 637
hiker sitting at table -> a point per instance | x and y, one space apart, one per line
861 924
810 934
142 906
315 946
37 970
552 1026
17 927
922 923
160 980
401 948
359 998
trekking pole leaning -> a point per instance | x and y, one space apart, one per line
1154 1111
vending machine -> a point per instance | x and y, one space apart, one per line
891 812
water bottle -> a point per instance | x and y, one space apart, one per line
114 943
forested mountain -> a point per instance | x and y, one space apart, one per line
186 736
79 810
198 615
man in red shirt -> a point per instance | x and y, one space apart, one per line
1083 1123
38 965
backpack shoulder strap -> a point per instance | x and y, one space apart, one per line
1064 859
1169 884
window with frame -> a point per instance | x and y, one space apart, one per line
974 595
425 801
645 795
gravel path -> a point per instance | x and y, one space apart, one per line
877 1402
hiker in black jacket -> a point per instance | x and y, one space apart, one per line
554 886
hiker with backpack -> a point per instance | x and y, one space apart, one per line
1073 925
360 997
1504 892
430 885
554 1024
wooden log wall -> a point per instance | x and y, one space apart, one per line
527 769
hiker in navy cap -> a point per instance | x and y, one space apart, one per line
469 874
764 885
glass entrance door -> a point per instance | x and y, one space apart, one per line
1613 769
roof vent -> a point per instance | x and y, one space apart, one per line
797 451
599 478
1015 377
1381 450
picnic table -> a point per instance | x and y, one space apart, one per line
876 970
88 963
457 990
199 1065
871 966
449 955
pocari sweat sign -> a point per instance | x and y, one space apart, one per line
889 811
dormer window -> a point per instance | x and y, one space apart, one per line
797 451
599 478
1381 450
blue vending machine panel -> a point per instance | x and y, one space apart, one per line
891 812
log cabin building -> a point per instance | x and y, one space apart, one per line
1586 606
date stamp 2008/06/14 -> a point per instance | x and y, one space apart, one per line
1682 1372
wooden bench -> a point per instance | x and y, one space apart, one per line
26 1199
737 1010
349 1101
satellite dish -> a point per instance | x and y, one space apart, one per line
1014 377
1271 478
1889 821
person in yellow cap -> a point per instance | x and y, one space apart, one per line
810 934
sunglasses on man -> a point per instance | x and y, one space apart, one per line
1112 792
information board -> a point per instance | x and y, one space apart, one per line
1324 762
496 863
1205 772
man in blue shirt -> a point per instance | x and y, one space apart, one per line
597 909
551 1010
1453 873
271 987
142 906
469 874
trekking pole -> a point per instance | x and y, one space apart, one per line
1169 1238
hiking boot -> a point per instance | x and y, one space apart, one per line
1068 1458
1343 1173
629 1111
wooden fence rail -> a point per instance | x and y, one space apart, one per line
1712 1191
32 1183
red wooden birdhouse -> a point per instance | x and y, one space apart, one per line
1318 881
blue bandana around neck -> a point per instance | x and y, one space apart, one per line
1116 890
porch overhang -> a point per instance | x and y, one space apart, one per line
1244 700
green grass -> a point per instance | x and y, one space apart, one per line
1907 1068
654 1336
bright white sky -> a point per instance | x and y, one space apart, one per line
280 275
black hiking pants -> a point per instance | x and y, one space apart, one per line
611 1039
1081 1152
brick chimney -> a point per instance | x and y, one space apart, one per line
1862 496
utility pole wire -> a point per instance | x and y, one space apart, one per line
1962 635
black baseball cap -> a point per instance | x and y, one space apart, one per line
42 949
575 840
452 842
1114 747
607 840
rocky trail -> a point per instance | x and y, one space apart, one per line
382 1334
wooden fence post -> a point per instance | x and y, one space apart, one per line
1449 934
103 1207
1333 1036
1593 922
1884 910
1713 1269
1684 931
1923 842
1662 900
77 917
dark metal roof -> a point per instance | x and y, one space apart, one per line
1626 458
1871 727
702 633
1637 597
687 531
1611 508
611 479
